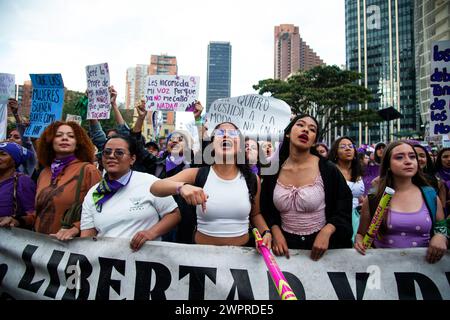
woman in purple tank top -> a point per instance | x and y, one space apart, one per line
407 223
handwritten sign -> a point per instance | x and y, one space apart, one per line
173 93
440 88
74 118
46 104
7 90
97 90
253 114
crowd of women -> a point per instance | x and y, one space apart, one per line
72 183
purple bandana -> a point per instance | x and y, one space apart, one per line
254 169
58 165
106 190
173 162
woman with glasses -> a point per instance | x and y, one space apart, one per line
307 203
65 151
229 199
120 206
344 154
178 155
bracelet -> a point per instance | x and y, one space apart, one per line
266 232
179 188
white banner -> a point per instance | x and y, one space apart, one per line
171 92
440 88
99 105
35 266
253 114
7 90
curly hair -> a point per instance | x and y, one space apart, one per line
84 149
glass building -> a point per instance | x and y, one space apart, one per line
219 72
380 46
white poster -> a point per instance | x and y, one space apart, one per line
440 88
171 93
73 117
253 114
7 90
35 266
99 105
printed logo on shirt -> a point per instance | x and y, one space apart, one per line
136 204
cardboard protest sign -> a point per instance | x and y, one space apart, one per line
74 118
253 114
99 105
7 90
440 88
46 104
171 93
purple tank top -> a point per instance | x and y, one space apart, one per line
406 230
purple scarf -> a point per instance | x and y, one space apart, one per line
58 165
106 190
254 169
173 162
444 174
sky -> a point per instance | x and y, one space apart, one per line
56 36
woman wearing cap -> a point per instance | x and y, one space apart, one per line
65 151
229 199
17 191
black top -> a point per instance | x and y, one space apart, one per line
338 203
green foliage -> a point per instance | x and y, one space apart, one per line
325 92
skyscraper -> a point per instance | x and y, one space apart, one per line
135 85
291 53
380 45
219 72
431 23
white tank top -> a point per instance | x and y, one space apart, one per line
227 208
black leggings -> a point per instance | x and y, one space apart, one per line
295 241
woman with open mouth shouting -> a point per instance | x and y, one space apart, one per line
307 203
226 194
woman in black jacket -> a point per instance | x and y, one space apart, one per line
307 203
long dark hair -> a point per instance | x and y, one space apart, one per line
355 166
429 168
438 164
244 168
284 149
387 178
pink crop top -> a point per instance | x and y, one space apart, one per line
302 209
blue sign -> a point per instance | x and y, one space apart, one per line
46 104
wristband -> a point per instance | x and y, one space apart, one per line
179 188
266 232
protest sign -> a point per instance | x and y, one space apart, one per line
440 88
171 93
253 114
99 105
7 90
36 266
74 118
46 104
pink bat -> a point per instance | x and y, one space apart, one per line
282 286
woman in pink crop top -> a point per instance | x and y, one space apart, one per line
408 223
307 203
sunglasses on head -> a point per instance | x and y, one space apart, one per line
176 138
118 153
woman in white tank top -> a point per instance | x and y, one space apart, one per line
229 201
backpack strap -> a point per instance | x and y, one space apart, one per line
202 175
79 182
430 196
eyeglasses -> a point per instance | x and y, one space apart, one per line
233 133
345 146
176 138
118 153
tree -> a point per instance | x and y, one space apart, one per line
76 103
324 92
